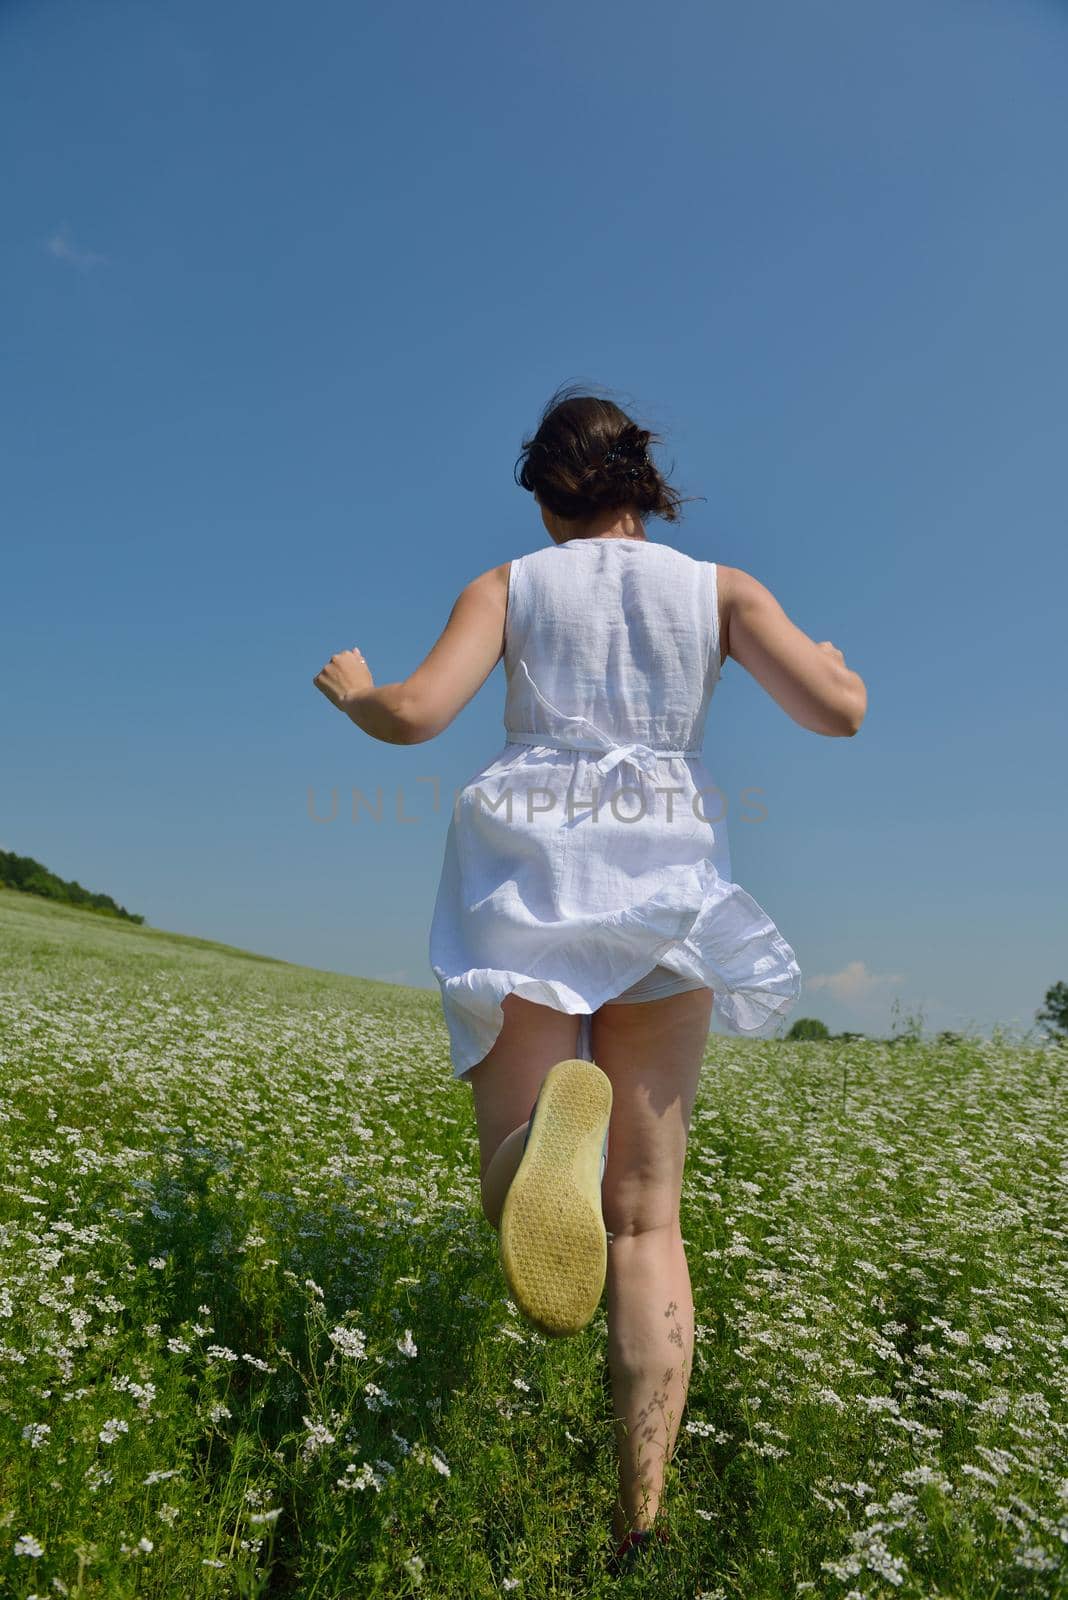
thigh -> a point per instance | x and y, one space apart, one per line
505 1082
653 1053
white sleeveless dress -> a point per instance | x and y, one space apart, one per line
569 872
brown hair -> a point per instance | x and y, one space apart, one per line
587 455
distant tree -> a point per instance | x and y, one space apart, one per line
809 1028
947 1036
849 1036
1054 1014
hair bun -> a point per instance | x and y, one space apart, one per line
633 440
587 455
627 455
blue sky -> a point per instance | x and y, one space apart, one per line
282 290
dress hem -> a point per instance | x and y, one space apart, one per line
743 1002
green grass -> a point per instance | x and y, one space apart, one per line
254 1339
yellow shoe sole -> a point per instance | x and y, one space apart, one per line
553 1245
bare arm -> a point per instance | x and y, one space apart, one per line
423 704
810 681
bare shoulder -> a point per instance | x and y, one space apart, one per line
491 583
736 588
485 595
734 583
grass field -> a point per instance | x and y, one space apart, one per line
254 1339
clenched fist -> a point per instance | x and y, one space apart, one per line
345 676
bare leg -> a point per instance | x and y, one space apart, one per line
650 1341
652 1052
497 1179
505 1084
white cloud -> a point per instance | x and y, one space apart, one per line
60 246
854 984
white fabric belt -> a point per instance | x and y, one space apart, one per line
642 756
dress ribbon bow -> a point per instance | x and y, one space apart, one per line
641 756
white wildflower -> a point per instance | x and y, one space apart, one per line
317 1439
359 1478
350 1341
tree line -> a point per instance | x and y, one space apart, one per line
1053 1018
28 875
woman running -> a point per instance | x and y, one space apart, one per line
586 921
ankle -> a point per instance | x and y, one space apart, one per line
657 1534
639 1523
